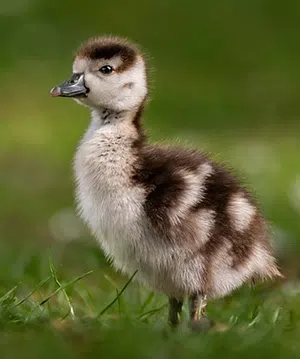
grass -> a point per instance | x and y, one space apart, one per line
70 316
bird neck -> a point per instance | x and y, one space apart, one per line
122 122
109 117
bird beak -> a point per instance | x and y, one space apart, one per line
72 87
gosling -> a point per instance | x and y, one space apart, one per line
182 221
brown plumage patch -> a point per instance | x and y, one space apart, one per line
157 170
220 187
107 48
138 125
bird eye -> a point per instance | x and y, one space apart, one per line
106 69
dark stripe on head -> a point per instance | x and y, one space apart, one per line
107 48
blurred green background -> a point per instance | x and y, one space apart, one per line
226 78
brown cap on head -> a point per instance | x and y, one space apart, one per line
108 47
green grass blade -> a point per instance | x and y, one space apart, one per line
117 297
65 286
152 311
40 284
7 294
147 301
114 284
54 275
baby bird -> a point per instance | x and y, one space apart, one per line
181 220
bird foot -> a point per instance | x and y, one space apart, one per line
201 325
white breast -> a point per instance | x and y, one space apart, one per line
108 202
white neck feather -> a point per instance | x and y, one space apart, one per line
112 121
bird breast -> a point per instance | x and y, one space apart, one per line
107 201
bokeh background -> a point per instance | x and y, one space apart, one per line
226 78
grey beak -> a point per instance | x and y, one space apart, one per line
72 87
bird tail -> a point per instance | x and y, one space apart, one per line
272 273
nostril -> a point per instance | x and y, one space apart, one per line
73 80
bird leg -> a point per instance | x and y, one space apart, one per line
197 304
175 307
197 308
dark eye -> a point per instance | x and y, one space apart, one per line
106 69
